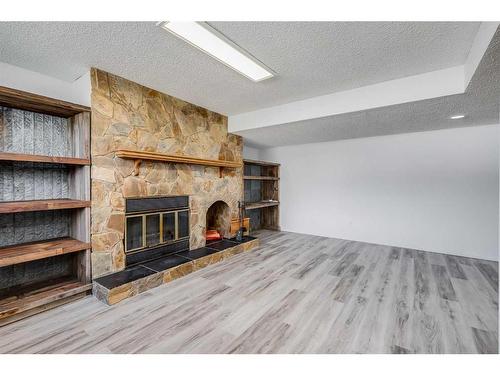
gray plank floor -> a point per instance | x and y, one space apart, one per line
295 294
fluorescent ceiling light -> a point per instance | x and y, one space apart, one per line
456 117
202 36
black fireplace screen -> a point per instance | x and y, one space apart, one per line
155 222
149 230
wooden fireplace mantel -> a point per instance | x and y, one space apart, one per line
139 156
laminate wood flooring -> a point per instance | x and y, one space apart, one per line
295 294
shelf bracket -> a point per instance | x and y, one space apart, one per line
137 165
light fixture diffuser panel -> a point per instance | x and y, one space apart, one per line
205 38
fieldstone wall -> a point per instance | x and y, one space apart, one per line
126 115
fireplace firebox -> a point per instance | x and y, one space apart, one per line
218 221
155 226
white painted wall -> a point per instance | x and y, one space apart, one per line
26 80
434 191
251 153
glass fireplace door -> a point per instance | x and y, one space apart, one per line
169 220
153 230
182 224
134 233
150 230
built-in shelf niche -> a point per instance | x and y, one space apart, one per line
44 203
261 190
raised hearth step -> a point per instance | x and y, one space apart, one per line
198 253
221 245
243 239
165 263
122 277
136 279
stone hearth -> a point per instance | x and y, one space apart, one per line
157 246
118 286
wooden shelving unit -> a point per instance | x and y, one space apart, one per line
36 276
261 182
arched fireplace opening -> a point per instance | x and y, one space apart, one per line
218 221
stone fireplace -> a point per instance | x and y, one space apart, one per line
126 115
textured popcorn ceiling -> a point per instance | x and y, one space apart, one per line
480 103
310 58
412 117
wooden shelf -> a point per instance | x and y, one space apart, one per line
156 156
40 295
264 178
255 205
260 162
38 250
41 205
139 156
10 156
263 206
38 103
36 286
